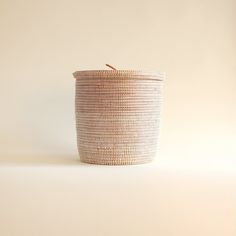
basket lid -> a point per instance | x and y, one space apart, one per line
121 74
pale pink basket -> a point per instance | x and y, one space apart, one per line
118 115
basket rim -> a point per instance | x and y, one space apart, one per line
124 74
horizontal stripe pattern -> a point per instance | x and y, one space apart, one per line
118 116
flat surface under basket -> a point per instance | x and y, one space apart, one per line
57 195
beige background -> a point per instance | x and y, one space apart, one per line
43 42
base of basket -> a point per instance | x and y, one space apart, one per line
115 162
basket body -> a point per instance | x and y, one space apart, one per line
117 116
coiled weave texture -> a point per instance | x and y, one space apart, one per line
118 116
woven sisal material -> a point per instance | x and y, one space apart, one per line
117 115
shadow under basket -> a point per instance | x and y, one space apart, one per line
118 115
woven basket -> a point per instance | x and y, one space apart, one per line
117 115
